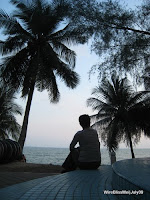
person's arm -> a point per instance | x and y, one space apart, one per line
74 142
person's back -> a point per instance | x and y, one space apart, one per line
87 156
89 145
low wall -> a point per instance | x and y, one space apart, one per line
131 179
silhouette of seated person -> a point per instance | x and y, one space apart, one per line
87 155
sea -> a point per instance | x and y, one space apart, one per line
56 156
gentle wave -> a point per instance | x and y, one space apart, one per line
56 156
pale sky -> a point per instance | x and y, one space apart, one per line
54 125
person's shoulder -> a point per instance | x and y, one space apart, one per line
94 131
78 133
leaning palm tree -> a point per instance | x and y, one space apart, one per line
9 128
36 50
119 112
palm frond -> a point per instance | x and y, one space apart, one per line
15 64
68 76
101 123
138 97
7 21
99 105
52 88
8 109
95 103
65 53
11 25
12 44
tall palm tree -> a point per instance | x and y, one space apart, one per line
119 112
8 109
37 47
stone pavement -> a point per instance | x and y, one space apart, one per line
75 185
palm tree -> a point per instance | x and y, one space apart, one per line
119 112
146 77
8 109
37 49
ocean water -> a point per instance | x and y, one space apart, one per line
56 156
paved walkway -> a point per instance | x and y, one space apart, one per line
76 185
11 178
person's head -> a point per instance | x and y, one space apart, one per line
84 121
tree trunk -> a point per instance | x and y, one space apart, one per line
131 146
23 134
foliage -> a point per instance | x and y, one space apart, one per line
8 109
121 39
119 112
36 50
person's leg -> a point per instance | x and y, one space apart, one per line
75 156
71 161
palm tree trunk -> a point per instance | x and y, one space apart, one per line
131 145
23 134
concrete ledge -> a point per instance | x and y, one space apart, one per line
132 175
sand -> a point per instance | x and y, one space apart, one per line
18 172
30 167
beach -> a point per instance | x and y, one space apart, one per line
18 172
30 167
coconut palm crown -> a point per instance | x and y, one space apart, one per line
119 110
9 128
36 50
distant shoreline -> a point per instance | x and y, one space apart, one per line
68 148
